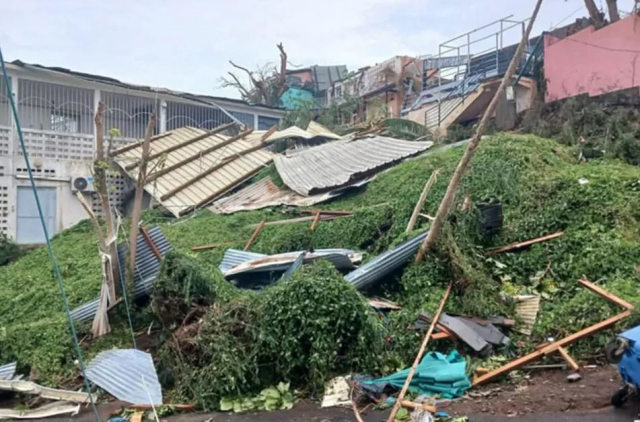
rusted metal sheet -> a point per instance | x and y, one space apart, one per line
240 167
128 375
337 164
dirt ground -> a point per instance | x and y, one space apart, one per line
542 393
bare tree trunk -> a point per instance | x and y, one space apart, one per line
137 202
447 201
594 13
614 15
100 173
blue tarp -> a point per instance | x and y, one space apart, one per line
444 375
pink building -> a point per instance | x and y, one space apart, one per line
593 61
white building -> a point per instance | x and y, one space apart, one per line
56 109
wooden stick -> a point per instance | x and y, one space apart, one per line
184 144
180 407
211 246
254 235
449 196
316 219
565 355
440 335
416 362
605 294
149 240
300 220
420 203
413 406
328 212
520 245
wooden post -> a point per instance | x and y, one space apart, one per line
449 196
420 203
137 201
254 235
416 362
565 355
316 220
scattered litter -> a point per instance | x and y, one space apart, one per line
527 307
436 374
574 377
583 180
45 411
28 387
420 415
383 304
336 393
337 164
128 375
8 371
385 263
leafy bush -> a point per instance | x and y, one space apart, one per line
9 250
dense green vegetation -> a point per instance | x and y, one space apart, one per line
540 183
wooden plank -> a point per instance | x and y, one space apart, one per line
520 245
420 203
211 246
416 362
225 161
505 369
149 241
194 157
565 355
316 220
440 335
254 235
328 212
301 220
413 406
605 294
138 144
184 144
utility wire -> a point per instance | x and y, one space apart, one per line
54 262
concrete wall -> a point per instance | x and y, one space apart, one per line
593 62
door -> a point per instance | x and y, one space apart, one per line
29 225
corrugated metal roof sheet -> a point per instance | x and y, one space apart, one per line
128 375
339 163
265 193
527 307
245 163
384 264
237 262
314 130
147 268
8 371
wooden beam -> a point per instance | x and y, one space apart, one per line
254 235
138 144
149 241
184 144
194 157
413 406
565 355
225 161
440 335
420 203
211 246
605 294
300 220
316 220
221 191
416 362
328 212
520 245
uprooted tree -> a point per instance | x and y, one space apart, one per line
266 84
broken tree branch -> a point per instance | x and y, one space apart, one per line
416 362
520 245
137 201
614 15
420 203
282 75
449 196
594 13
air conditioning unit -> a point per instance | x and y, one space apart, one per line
82 184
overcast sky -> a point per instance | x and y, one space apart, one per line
186 44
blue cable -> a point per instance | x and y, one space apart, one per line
54 262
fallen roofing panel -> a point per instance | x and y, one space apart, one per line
337 164
384 264
146 270
193 168
128 375
314 130
237 262
8 371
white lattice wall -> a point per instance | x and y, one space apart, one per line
58 146
118 189
5 140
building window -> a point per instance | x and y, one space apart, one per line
265 123
63 122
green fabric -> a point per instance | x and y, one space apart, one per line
437 374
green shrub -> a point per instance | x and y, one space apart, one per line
9 250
